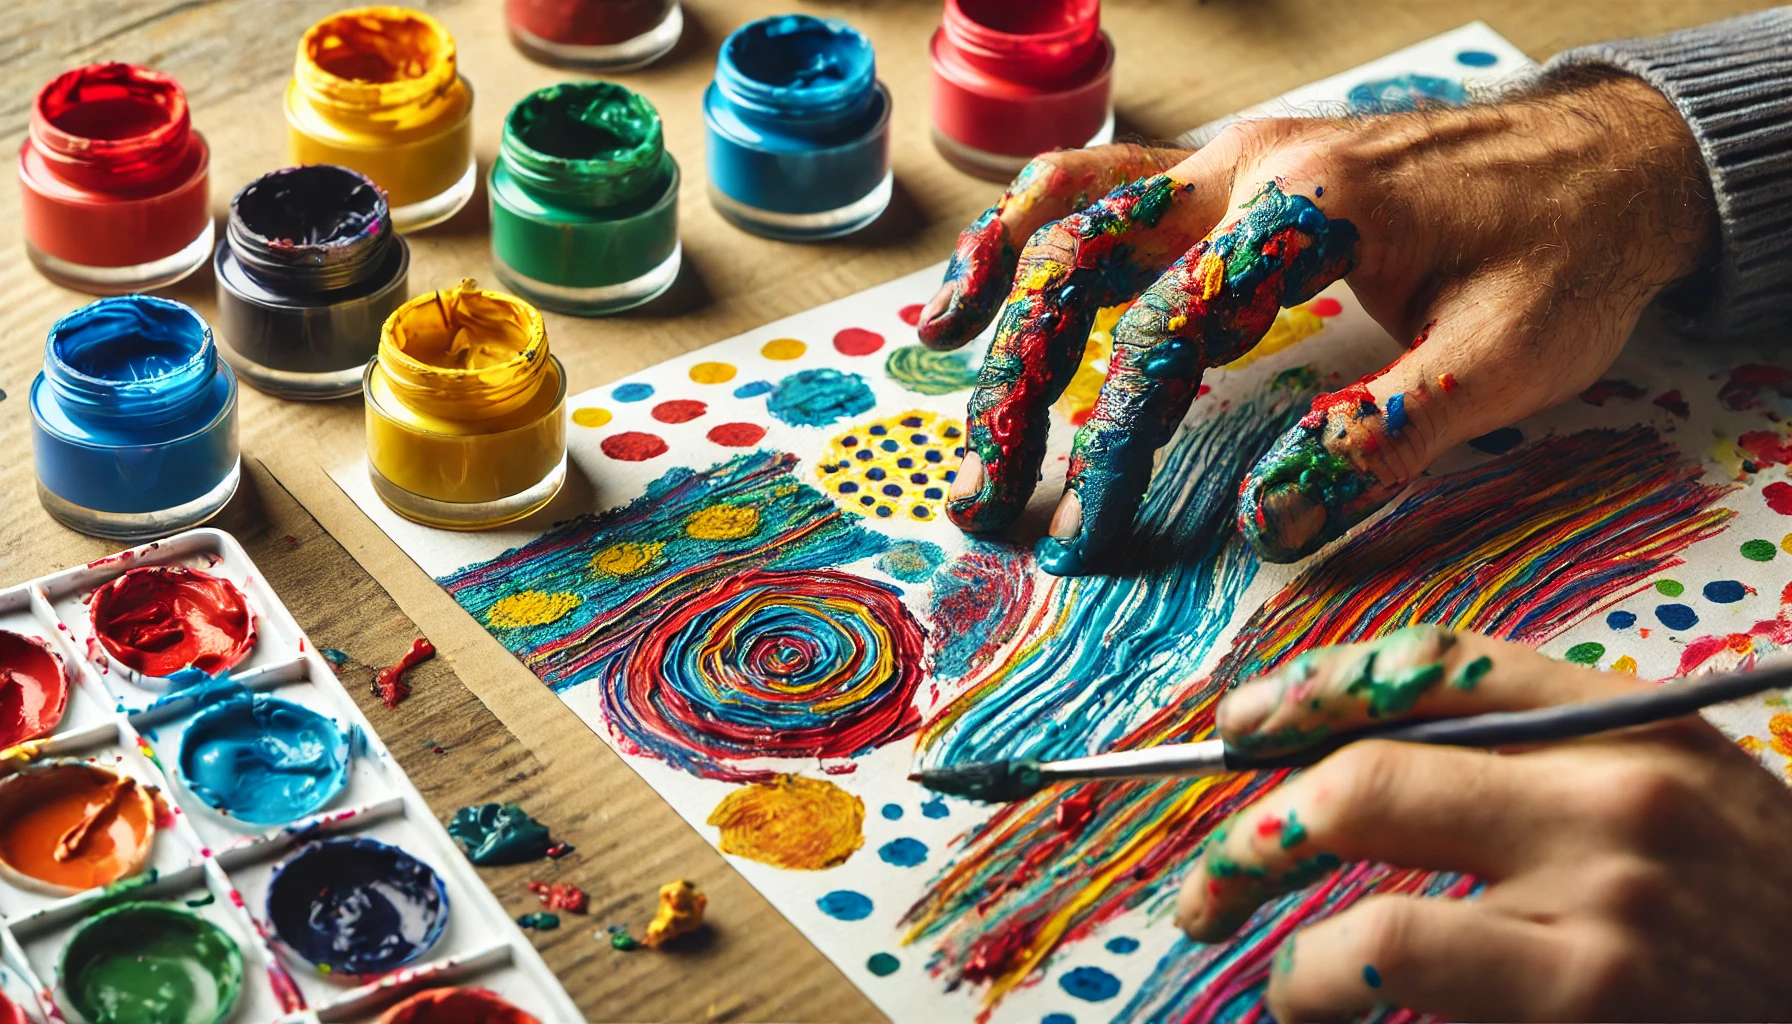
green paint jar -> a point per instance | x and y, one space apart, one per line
151 963
584 200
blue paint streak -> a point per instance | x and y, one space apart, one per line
632 392
845 905
753 389
816 398
1395 416
1725 591
1621 620
1676 616
1057 1018
1477 59
1123 944
903 853
1091 984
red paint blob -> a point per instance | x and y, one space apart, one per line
33 690
1607 389
633 446
560 896
1779 497
456 1006
1074 811
586 22
736 435
389 683
679 410
1743 389
1673 402
911 314
856 341
10 1012
1765 448
160 619
1325 307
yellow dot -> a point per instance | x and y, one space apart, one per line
783 348
591 416
723 522
712 373
1786 543
625 558
529 608
1625 664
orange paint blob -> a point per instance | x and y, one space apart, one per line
75 826
160 619
791 822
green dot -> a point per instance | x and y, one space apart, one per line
1588 653
1671 588
1758 550
882 964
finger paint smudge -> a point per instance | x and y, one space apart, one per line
926 372
791 822
911 561
978 605
1405 92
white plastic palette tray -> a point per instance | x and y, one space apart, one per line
219 868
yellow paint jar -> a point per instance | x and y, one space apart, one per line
376 89
466 410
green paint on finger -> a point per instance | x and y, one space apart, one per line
1588 653
1393 693
1293 832
1469 676
1284 962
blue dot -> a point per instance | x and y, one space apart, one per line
917 438
865 455
903 853
867 500
1724 592
1676 616
935 808
1057 1018
849 441
920 512
845 905
633 392
1476 59
883 512
911 421
848 487
917 478
1620 620
933 493
753 389
875 473
888 444
878 429
1371 976
891 490
1123 944
905 463
1091 984
933 456
892 812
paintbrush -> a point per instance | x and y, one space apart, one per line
1008 781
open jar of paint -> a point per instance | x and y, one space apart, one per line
466 410
596 35
798 125
1013 80
377 89
147 961
112 176
309 270
584 200
134 420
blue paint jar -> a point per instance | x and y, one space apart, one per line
799 125
134 420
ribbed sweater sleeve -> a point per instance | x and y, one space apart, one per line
1732 80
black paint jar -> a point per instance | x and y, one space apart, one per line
308 271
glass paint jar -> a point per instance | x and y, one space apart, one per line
584 200
595 35
113 181
134 420
377 89
307 274
798 123
466 410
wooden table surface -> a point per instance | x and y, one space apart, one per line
506 737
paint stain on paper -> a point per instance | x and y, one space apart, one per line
791 822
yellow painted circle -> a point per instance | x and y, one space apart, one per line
591 416
723 522
529 608
712 373
625 558
783 348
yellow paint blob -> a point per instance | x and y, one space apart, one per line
1210 275
530 608
712 373
1786 543
1085 385
626 558
783 348
723 522
1725 453
896 466
1752 745
1291 327
1625 664
791 822
591 416
680 913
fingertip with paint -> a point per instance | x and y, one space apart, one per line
1286 525
1064 551
1245 709
934 320
969 481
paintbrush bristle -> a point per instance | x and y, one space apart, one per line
996 782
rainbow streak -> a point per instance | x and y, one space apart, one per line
1520 547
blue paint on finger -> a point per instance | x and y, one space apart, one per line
1371 976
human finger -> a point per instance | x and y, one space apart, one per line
1051 186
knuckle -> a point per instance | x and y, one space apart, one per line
1359 776
1641 804
1385 923
1629 889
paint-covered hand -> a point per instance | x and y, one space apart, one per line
1518 241
1639 875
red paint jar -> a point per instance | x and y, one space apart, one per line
597 35
113 181
1016 78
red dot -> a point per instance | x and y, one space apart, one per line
1202 390
679 410
1779 497
911 315
736 435
1326 307
855 341
633 446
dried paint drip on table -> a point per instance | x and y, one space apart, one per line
1617 507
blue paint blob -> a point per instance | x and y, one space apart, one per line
1676 616
845 905
1371 976
1476 59
882 964
1057 1018
1123 944
935 808
1395 414
357 906
632 392
816 398
892 812
1497 442
911 561
336 658
1621 620
903 853
1091 984
753 389
262 760
1725 591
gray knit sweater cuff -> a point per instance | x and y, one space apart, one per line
1732 80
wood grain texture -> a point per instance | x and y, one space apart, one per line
1181 63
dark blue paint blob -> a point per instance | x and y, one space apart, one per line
1497 442
935 808
816 398
1676 616
753 389
1091 984
1621 620
1476 59
903 853
1371 976
632 392
1395 415
1057 1018
845 905
892 812
1724 591
357 906
1123 944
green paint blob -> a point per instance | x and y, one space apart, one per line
882 964
541 922
151 963
1293 832
1758 550
623 942
1395 693
1470 674
1670 588
926 372
1588 653
498 834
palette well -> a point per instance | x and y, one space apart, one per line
265 817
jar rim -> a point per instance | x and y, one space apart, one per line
585 113
131 154
495 387
415 53
767 67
